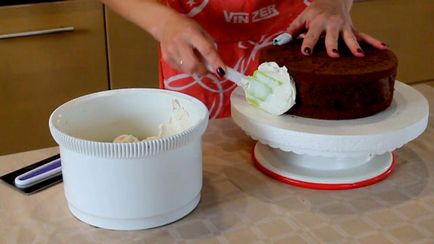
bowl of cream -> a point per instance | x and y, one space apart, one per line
131 158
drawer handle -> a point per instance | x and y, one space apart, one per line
37 32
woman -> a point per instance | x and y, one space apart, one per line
230 33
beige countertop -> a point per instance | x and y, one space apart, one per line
241 205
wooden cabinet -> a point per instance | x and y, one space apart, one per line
40 72
132 54
407 27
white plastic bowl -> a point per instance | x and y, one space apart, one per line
129 186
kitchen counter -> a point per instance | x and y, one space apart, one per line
241 205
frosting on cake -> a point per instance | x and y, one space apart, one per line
271 89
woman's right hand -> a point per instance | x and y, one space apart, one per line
186 47
184 44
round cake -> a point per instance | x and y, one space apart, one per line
337 88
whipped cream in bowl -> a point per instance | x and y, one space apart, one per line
179 121
152 174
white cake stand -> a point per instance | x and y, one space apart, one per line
332 154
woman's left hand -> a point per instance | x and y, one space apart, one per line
332 18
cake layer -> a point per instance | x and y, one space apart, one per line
337 88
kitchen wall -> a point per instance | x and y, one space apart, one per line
407 27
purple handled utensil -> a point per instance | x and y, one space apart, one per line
41 173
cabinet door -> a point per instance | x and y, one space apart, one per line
132 54
407 27
40 72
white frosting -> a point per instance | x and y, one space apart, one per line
178 122
125 139
271 89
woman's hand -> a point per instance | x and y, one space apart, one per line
332 18
187 47
184 44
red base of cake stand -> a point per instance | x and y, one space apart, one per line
271 170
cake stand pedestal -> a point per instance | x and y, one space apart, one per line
332 154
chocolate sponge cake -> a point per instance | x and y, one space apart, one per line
337 88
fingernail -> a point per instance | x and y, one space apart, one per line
359 50
335 51
221 72
307 51
384 44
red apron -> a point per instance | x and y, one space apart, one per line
240 29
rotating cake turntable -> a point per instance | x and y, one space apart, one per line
332 154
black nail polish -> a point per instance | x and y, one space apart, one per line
384 44
335 51
359 50
221 72
307 51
